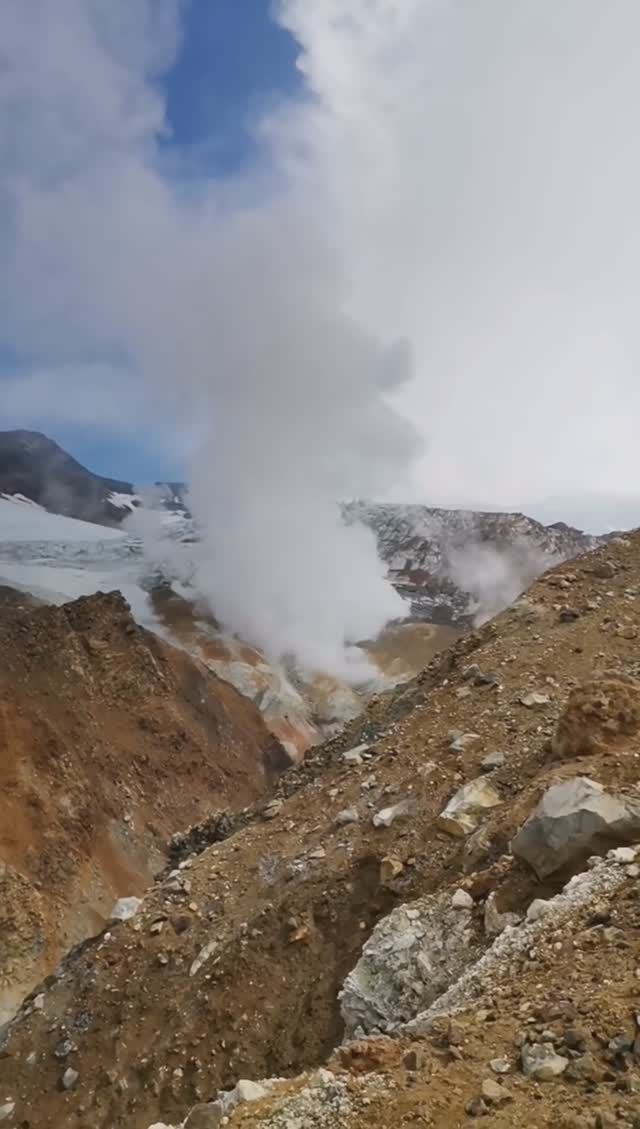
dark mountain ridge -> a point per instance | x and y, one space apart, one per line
37 467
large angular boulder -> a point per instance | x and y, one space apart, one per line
573 820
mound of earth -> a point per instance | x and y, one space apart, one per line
235 963
110 741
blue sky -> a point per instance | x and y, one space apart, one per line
234 60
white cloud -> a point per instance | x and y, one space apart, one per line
481 163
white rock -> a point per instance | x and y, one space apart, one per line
38 1002
203 956
244 1091
538 908
622 854
126 908
386 816
535 698
6 1110
412 956
464 741
462 900
354 756
494 921
462 813
69 1078
500 1065
348 815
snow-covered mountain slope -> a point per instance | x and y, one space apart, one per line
22 519
460 564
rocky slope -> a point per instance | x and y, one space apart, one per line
457 566
110 741
374 917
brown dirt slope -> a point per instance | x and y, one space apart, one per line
110 740
233 965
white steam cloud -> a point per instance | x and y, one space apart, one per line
457 184
230 299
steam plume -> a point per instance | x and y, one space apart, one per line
231 299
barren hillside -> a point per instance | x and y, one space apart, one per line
256 957
110 740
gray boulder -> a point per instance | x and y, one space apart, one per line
573 820
540 1062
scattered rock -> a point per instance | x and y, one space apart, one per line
465 741
413 1060
126 908
462 900
494 1093
272 810
64 1048
476 1108
569 615
244 1091
492 761
206 1116
494 921
390 868
387 816
540 1062
573 820
604 570
476 849
347 815
585 1068
462 813
500 1065
534 699
355 755
69 1078
203 956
